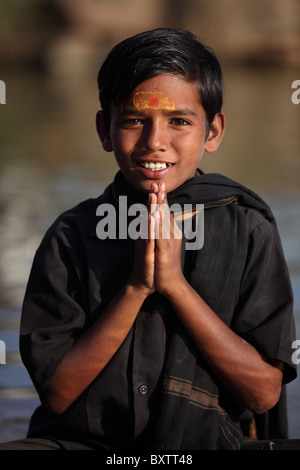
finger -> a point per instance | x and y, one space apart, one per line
165 222
151 228
161 194
152 204
175 230
151 199
154 188
163 208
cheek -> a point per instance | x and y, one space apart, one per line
191 151
123 143
193 141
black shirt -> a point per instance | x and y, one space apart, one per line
74 277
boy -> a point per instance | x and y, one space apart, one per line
144 344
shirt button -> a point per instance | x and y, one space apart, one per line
143 389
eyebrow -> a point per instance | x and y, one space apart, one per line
173 112
183 112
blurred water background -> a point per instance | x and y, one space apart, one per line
51 158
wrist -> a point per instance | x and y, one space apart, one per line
176 288
137 291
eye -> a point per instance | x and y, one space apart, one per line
129 122
180 122
134 121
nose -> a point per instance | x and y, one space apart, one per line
155 137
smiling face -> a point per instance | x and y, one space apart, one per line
160 133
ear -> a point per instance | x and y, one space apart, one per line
216 133
103 132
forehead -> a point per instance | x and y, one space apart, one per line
165 92
153 100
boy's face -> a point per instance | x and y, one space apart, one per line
160 133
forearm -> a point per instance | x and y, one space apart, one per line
93 350
252 379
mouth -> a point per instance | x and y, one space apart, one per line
155 166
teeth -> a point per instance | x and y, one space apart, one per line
155 166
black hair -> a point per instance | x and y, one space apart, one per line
158 51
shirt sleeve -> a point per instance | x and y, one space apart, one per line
52 314
265 308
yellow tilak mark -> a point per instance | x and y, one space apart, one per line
152 100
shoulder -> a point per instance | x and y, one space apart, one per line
77 216
256 221
74 226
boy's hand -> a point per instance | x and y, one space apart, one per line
168 239
157 259
142 276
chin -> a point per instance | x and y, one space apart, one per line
141 187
